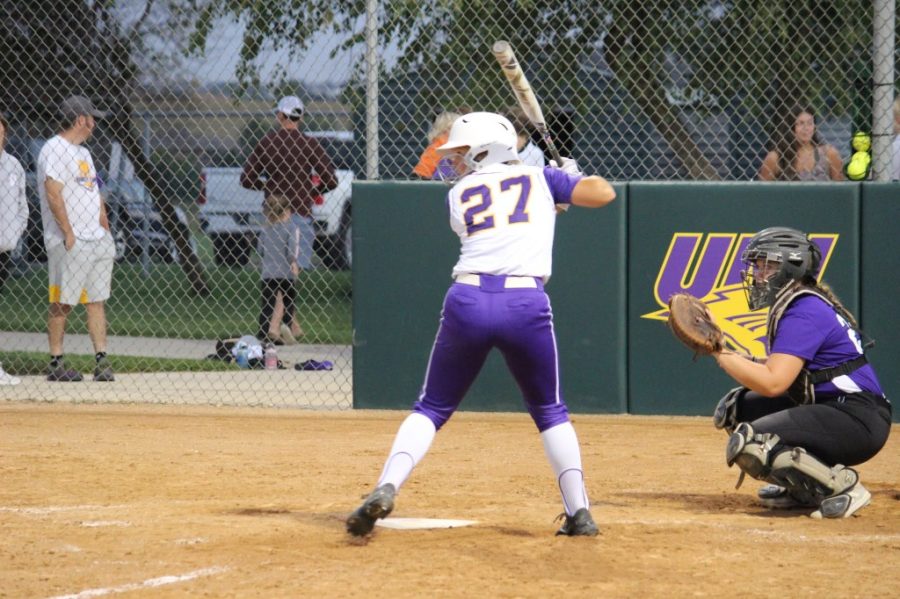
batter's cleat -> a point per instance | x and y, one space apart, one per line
579 524
103 372
776 497
378 504
844 504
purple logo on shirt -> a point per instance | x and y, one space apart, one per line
709 266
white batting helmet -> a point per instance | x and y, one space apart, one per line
491 138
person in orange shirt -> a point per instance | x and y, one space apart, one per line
437 136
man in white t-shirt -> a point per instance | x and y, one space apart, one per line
80 248
13 205
13 217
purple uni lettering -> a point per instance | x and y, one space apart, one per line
676 274
718 264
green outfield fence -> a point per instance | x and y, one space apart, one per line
689 91
613 270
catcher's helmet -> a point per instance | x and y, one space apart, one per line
797 259
490 137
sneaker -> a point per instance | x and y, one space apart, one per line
63 374
378 504
579 524
103 372
776 497
844 505
8 379
287 336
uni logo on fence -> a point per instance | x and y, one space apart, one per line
711 271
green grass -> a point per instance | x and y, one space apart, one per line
163 305
35 363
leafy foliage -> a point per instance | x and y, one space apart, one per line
763 57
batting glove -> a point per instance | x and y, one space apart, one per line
568 166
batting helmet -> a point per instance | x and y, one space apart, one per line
490 137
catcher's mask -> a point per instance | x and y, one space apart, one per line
773 258
489 138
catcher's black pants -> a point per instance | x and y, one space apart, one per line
844 430
269 289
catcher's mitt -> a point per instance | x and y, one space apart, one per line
693 325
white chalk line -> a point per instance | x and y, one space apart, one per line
191 541
147 584
100 523
53 509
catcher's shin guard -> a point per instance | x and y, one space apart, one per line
811 481
806 478
750 451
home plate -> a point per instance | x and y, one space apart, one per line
420 523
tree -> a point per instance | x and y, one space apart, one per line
56 48
768 54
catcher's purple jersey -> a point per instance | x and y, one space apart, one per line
810 329
505 216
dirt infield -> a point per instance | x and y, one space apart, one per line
233 502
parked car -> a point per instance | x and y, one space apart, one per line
232 217
136 224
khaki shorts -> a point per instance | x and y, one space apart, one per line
83 274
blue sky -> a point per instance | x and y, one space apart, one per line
222 53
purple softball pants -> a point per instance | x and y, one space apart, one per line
475 319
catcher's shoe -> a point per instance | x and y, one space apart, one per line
776 497
378 504
844 504
579 524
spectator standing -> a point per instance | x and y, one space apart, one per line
284 162
529 153
427 167
80 248
13 205
798 152
278 244
895 162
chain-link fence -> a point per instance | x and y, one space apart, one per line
694 90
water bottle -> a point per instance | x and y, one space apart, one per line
271 357
241 358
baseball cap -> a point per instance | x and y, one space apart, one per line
290 106
75 106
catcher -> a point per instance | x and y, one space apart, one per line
814 406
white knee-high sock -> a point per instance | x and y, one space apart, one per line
561 447
413 439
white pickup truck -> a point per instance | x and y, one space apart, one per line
232 217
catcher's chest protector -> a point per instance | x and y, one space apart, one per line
784 299
802 390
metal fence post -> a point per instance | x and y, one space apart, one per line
883 82
372 89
